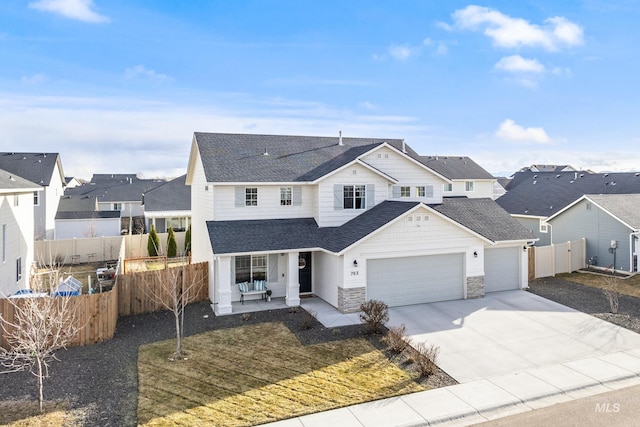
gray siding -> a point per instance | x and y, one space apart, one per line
533 224
599 228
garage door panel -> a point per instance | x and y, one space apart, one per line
501 269
416 280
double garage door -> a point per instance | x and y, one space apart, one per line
501 269
416 280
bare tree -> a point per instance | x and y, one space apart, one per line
610 290
40 326
174 288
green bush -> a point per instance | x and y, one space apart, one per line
172 246
153 242
187 241
374 314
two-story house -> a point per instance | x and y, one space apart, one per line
168 205
16 232
346 219
44 169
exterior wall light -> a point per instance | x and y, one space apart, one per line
475 254
355 263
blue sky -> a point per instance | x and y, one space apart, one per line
121 85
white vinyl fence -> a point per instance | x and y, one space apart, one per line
559 258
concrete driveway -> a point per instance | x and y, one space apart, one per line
514 331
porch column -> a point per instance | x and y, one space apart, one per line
222 303
293 285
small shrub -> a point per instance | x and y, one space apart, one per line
396 339
246 316
172 247
425 357
308 322
294 310
336 332
611 292
374 314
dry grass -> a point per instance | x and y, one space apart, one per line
24 413
256 374
630 286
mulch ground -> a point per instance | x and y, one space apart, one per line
103 377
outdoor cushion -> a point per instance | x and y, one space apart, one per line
259 285
244 286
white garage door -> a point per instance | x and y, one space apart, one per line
416 280
501 269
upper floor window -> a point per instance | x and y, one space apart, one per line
117 206
18 269
36 198
468 186
4 242
16 200
420 191
286 196
251 196
405 191
447 187
353 196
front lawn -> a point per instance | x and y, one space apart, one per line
260 373
630 286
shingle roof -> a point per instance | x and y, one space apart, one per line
75 203
455 167
88 215
482 216
545 193
485 217
11 183
115 188
242 158
174 195
35 167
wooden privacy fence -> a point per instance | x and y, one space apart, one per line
546 261
96 315
137 291
131 294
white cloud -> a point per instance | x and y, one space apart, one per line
140 71
82 10
518 64
34 79
509 32
401 53
511 131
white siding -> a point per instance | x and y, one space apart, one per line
406 172
327 276
328 216
19 221
268 203
202 195
405 238
481 189
80 228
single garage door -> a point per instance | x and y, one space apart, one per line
416 280
501 269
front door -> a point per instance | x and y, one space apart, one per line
304 272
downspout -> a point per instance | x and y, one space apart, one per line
637 235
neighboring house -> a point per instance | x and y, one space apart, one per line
532 197
119 192
71 182
78 217
16 232
609 222
549 168
168 205
347 219
44 169
466 177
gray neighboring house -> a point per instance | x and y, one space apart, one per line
168 205
78 217
122 193
44 169
609 222
533 197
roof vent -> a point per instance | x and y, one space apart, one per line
266 153
404 147
340 138
637 174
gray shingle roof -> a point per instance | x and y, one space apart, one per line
241 157
483 216
455 167
115 188
35 167
174 195
545 193
88 215
75 203
10 182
